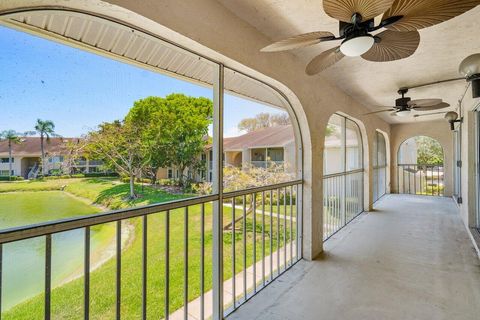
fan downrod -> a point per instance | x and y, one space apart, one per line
402 91
403 101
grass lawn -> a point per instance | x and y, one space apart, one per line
67 299
108 192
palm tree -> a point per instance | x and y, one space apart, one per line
12 137
46 129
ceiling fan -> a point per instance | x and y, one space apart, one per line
401 18
429 114
404 105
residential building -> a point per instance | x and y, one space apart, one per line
27 155
263 148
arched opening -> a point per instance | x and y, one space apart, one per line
274 209
380 166
343 169
420 167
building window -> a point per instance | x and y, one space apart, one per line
170 174
275 154
93 169
55 159
6 160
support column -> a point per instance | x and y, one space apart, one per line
217 268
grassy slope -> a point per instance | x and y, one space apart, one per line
67 300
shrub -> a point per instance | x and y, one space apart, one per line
101 174
202 188
13 178
168 182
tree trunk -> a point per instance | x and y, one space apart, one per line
43 154
181 181
132 186
9 160
153 178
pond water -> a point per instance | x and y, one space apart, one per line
24 261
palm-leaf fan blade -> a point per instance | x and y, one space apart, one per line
343 10
324 60
424 102
391 46
300 41
419 14
440 105
379 111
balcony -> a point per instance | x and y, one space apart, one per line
266 164
251 258
411 251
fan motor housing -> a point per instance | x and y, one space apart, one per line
402 102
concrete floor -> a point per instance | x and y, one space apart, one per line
410 259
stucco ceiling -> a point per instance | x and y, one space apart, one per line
441 50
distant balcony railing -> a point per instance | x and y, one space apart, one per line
266 164
422 179
259 230
83 163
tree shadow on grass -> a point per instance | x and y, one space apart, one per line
117 196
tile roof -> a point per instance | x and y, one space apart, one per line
278 136
30 146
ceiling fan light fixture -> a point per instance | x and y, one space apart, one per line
470 69
470 66
404 113
451 116
357 46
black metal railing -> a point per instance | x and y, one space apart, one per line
268 222
421 179
261 240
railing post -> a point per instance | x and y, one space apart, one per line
1 269
217 255
48 275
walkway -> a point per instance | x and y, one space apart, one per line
410 259
194 307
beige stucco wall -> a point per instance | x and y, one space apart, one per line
16 165
233 158
205 26
289 156
439 130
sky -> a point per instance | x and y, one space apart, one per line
78 90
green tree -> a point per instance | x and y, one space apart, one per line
46 129
119 144
12 137
330 130
429 151
175 131
263 120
